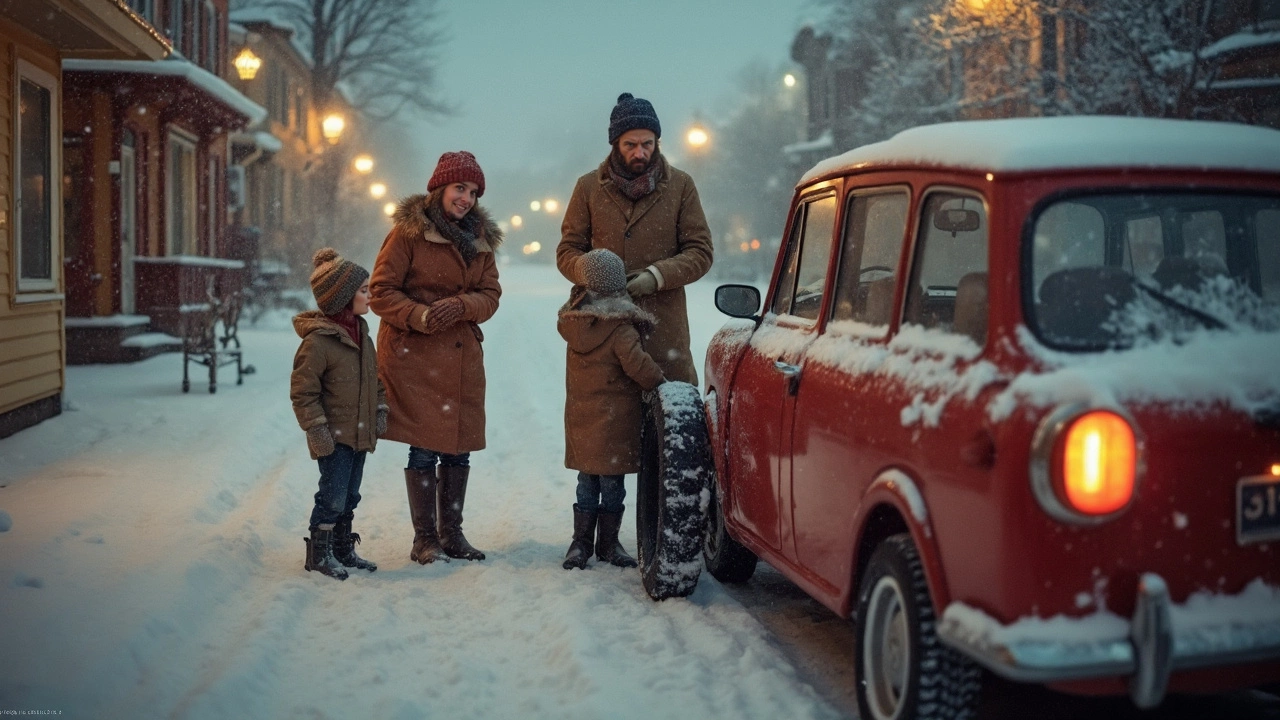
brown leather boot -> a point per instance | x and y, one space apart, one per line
451 490
607 546
584 535
421 485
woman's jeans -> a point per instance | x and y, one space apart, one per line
424 459
340 474
603 493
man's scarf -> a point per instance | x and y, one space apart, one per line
630 184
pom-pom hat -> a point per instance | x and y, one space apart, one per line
335 280
454 167
632 113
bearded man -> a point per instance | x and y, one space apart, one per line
639 206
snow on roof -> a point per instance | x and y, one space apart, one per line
1240 41
261 138
177 66
1023 144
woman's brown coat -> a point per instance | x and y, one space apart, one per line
435 382
335 382
605 371
666 229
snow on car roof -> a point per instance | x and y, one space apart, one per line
1022 144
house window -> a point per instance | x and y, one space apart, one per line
197 48
180 189
177 22
36 198
211 53
211 205
145 8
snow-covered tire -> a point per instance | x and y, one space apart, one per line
903 670
675 469
726 559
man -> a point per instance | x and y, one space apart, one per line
648 213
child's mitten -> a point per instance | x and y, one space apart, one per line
320 440
381 424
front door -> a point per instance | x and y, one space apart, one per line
128 222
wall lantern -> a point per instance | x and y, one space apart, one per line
247 64
332 127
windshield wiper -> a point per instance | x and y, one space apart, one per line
1205 318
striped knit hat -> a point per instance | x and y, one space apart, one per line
335 280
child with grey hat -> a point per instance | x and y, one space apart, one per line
340 403
605 373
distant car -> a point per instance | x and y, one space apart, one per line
1013 402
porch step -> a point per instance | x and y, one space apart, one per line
115 339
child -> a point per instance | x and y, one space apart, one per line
605 373
340 403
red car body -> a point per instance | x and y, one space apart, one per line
829 435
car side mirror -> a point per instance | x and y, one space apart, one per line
740 301
957 220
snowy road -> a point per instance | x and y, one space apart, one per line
151 567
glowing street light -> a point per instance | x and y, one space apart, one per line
535 206
697 137
389 209
377 190
332 127
977 6
516 221
550 206
247 64
789 80
363 164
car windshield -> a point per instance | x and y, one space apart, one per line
1116 270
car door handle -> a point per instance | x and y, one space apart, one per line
787 369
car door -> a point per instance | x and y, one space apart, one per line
765 378
838 417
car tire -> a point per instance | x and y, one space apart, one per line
902 668
675 467
726 559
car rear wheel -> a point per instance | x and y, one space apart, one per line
675 469
904 671
727 560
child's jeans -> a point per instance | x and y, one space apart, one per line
600 493
340 474
424 459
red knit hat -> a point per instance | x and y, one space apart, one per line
458 166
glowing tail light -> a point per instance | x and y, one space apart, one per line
1099 463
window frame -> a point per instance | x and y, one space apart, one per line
919 235
897 188
795 242
181 137
28 71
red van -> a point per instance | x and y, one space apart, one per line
1012 402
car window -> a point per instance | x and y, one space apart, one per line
787 278
1068 235
948 288
807 261
1267 223
1143 246
875 225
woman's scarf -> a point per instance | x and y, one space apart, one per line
462 233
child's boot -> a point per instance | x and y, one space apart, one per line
607 546
421 485
320 553
584 532
344 545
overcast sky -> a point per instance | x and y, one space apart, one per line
534 81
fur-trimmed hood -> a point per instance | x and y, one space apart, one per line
315 321
411 216
587 319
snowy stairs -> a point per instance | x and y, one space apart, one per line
115 339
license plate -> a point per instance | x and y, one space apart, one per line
1257 509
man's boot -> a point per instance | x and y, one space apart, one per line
344 545
320 553
421 485
607 546
452 493
584 532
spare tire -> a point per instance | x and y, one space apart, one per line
672 491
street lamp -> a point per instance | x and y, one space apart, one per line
389 209
697 137
247 64
377 190
363 164
332 127
789 80
535 206
550 205
516 221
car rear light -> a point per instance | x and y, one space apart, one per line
1086 463
1099 463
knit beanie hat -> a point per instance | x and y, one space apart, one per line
632 113
458 166
335 280
603 272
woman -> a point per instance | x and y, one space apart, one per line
434 282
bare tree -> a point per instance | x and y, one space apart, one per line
381 52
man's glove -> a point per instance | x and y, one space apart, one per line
442 314
380 426
320 440
641 284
